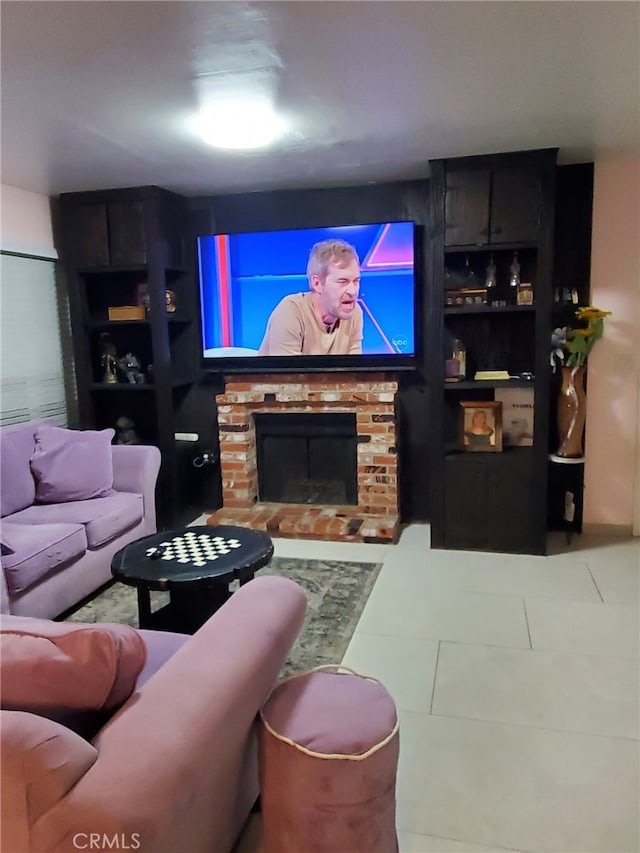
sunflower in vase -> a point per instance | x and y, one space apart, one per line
572 347
576 344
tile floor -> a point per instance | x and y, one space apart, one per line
517 683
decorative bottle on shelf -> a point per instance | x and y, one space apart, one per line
525 293
470 276
456 363
491 280
460 355
514 271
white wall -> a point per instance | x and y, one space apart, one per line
612 444
25 223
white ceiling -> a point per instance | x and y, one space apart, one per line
100 94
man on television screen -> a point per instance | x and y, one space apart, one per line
327 319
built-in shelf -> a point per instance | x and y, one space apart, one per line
103 324
476 384
114 270
143 386
455 454
488 309
490 247
121 386
133 269
490 499
128 247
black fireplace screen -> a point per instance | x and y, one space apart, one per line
307 458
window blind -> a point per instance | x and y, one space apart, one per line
36 365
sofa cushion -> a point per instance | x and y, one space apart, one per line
51 668
103 518
18 488
72 465
37 550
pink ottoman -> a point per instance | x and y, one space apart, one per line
328 747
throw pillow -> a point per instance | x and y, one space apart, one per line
72 465
51 668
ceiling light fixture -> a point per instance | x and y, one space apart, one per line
240 125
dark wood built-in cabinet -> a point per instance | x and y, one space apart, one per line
472 209
484 209
117 246
491 205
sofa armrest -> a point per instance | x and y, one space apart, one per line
41 761
135 469
172 759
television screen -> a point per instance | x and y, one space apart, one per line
304 293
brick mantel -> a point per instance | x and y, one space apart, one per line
371 397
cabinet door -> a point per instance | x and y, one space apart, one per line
467 207
126 233
465 503
91 235
510 501
515 205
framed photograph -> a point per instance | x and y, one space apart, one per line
481 426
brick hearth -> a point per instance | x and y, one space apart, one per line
372 399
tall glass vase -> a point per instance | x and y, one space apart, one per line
572 409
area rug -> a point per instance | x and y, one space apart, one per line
336 592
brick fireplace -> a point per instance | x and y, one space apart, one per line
374 516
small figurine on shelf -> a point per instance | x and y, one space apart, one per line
129 364
126 431
110 365
491 279
170 299
108 359
514 271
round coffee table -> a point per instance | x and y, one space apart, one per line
195 565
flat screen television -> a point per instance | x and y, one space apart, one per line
243 277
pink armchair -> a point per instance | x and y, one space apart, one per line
175 769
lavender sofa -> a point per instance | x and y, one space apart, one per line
175 769
55 554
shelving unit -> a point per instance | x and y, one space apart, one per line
485 206
116 242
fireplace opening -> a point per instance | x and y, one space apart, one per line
307 458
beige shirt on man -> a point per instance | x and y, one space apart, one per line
294 328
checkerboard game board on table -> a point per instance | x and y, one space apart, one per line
196 549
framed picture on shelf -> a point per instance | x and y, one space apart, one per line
481 426
517 416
